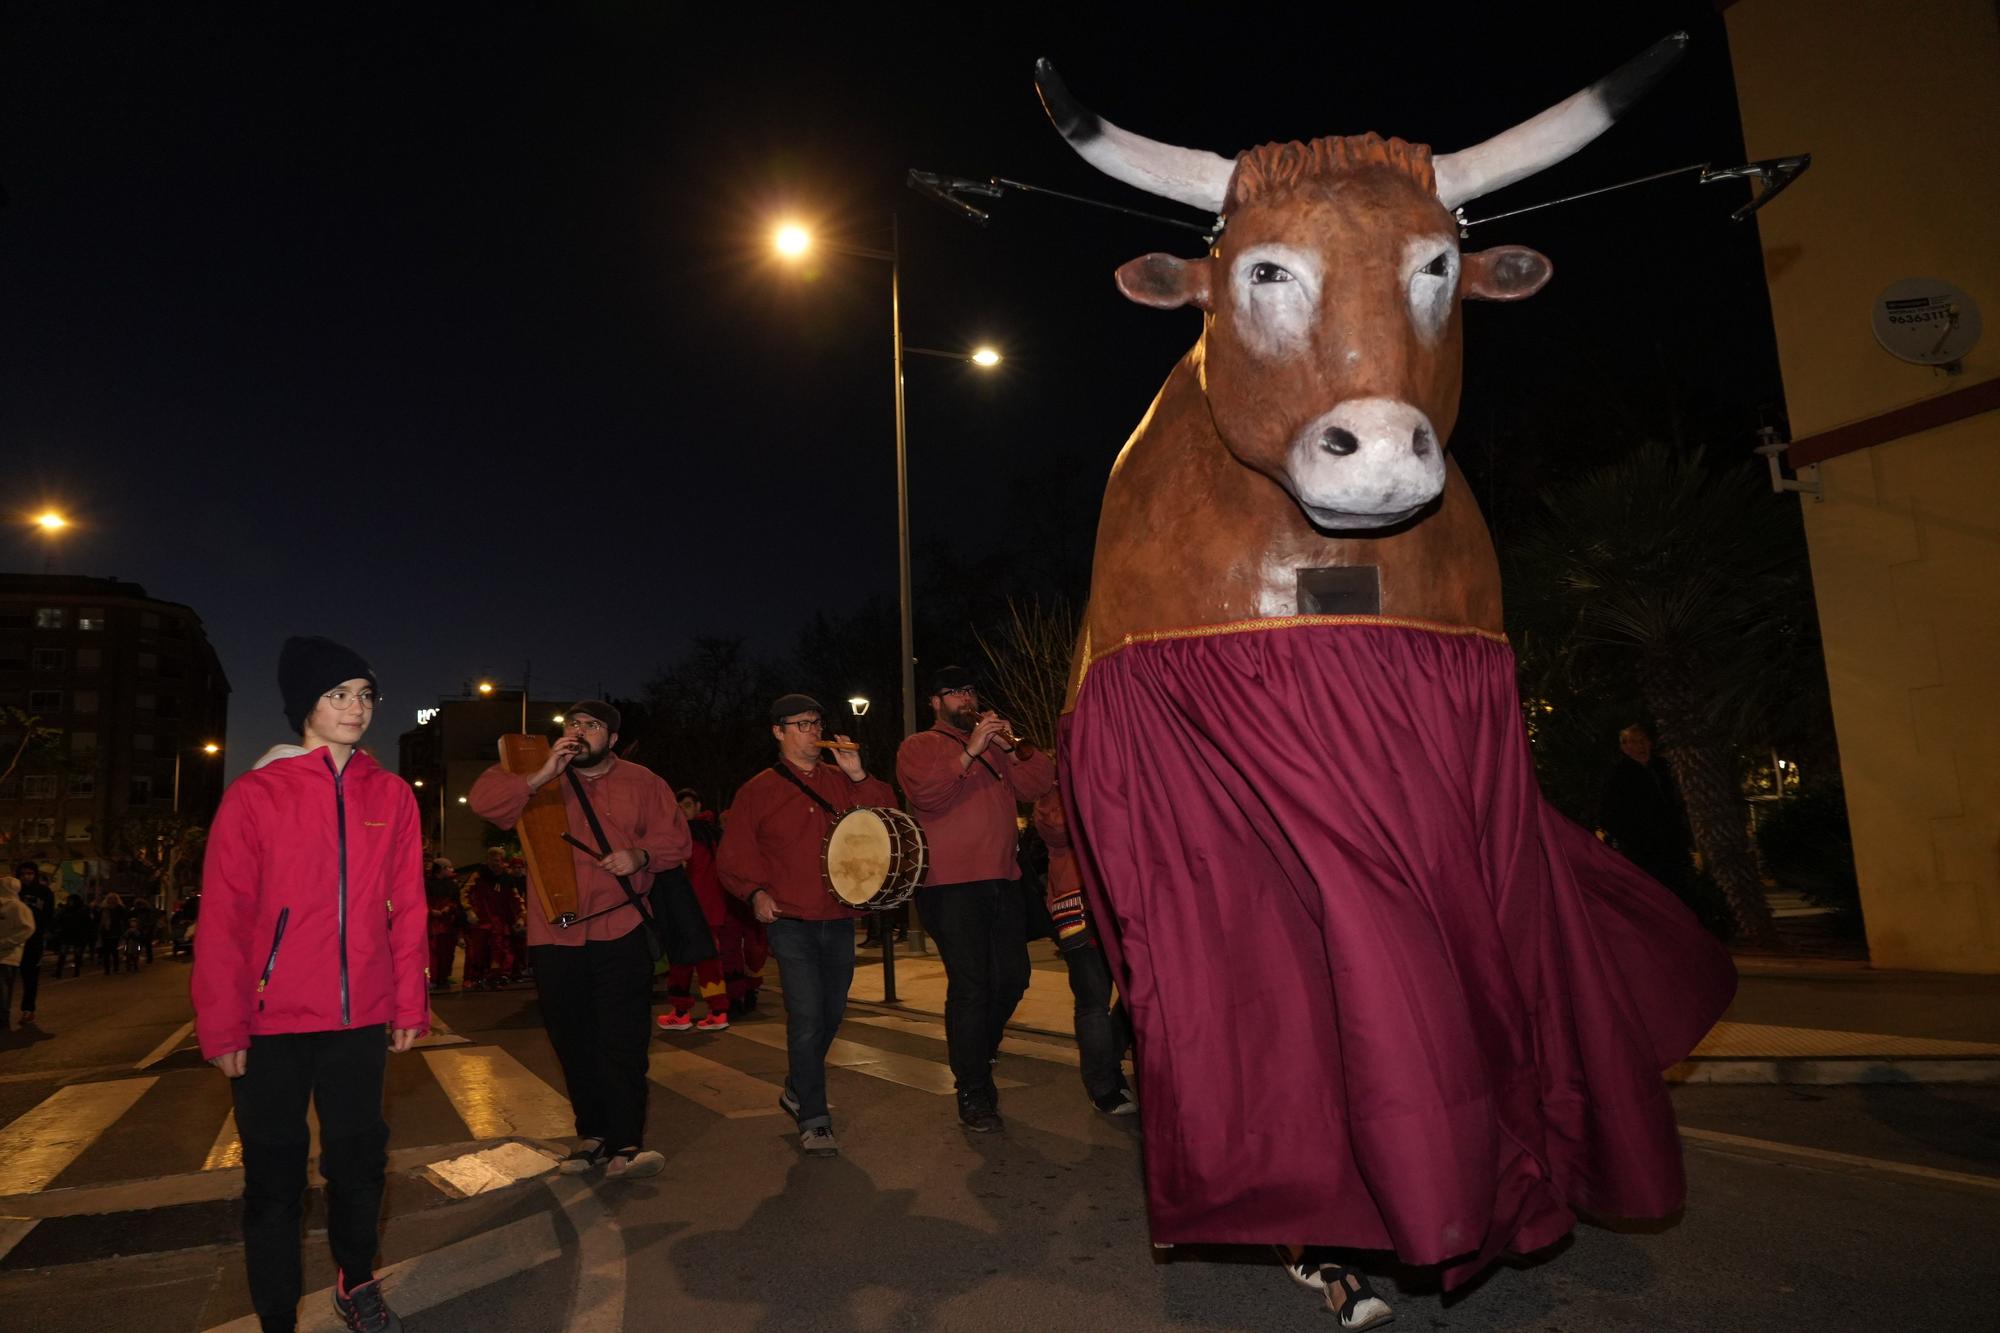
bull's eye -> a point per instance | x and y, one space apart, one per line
1439 266
1267 272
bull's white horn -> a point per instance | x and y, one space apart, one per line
1556 133
1188 175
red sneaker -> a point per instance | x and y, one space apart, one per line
675 1022
713 1021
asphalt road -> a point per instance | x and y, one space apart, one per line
1822 1209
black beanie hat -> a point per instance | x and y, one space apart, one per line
597 708
308 667
788 704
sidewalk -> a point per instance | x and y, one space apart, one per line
1794 1020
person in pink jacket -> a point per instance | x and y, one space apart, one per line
312 968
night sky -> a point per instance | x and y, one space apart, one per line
450 331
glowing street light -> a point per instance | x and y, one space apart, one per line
859 705
485 687
985 356
557 719
791 240
50 521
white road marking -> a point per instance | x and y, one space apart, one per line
1034 1050
14 1230
725 1090
598 1304
496 1095
1717 1139
439 1276
909 1070
39 1146
167 1047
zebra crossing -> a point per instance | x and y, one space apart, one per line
481 1092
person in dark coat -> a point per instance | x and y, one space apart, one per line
1640 811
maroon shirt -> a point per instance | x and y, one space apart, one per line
637 810
773 836
968 814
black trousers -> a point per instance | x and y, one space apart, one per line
1102 1035
597 1004
31 973
340 1072
979 931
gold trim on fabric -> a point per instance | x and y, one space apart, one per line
1273 622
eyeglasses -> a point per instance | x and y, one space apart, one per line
584 724
804 723
340 699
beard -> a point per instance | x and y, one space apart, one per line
591 756
965 719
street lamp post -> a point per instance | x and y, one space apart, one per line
211 749
793 241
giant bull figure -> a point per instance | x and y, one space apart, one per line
1384 996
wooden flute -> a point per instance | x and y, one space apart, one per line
838 745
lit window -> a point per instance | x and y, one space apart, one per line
79 828
38 830
91 619
38 786
51 617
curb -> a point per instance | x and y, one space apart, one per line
1831 1072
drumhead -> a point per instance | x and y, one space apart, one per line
857 856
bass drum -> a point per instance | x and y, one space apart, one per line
873 858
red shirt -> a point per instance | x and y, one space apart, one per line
637 810
967 813
773 835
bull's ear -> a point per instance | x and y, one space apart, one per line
1505 273
1165 282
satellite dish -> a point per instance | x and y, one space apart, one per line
1926 321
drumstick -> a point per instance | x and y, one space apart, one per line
838 745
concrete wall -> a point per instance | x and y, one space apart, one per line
1900 106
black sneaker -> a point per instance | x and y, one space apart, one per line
1116 1103
364 1310
977 1114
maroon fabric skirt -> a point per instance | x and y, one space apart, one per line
1384 996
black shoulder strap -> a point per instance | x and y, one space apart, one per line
597 832
786 773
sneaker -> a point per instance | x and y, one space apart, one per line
788 1103
818 1142
634 1164
1304 1270
713 1021
363 1309
673 1021
587 1154
1116 1103
977 1114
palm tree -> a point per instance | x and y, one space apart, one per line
1692 580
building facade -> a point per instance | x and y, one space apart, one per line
1896 103
451 744
117 694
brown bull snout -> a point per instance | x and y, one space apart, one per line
1368 463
